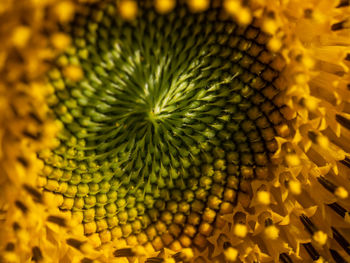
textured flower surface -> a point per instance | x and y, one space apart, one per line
174 131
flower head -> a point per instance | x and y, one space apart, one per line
174 131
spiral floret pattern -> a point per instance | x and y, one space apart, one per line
174 111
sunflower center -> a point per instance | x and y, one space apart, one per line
172 113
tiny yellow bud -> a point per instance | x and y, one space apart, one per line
322 141
52 185
90 227
128 9
77 218
301 78
308 62
60 40
292 159
263 197
341 192
271 232
185 240
64 11
241 14
231 254
74 73
41 181
131 240
105 236
198 5
205 229
164 6
240 230
270 26
244 17
142 238
294 187
320 237
117 232
157 243
176 246
67 203
231 6
310 104
274 44
20 36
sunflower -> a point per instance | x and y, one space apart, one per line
174 131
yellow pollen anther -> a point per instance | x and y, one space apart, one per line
231 6
240 230
271 232
244 17
341 192
241 14
320 237
301 78
74 73
294 187
198 5
270 26
310 104
60 41
20 36
231 254
128 9
64 11
263 197
274 44
319 17
164 6
308 62
292 159
322 141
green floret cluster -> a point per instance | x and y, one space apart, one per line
173 112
